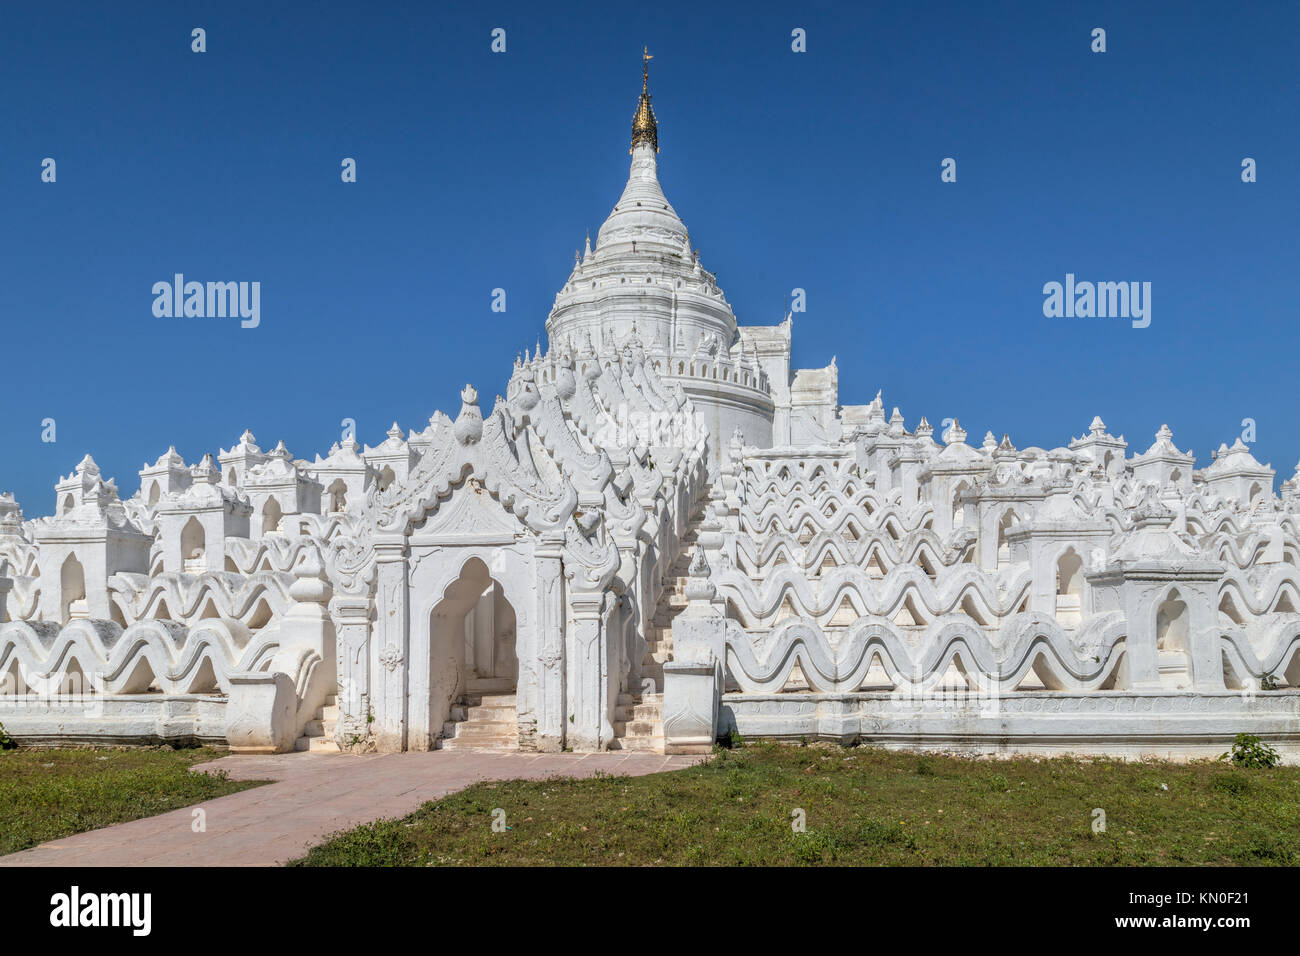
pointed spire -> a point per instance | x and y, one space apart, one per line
645 129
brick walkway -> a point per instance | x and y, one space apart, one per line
314 795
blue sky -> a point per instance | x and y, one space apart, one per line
478 170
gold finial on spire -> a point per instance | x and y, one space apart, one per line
645 129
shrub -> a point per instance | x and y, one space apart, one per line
1249 751
6 742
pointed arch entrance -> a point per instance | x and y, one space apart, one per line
475 613
473 650
1173 650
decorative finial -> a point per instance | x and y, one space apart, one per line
645 129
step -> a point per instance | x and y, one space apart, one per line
490 699
640 729
644 710
330 712
486 743
485 728
635 717
479 712
491 685
313 728
644 744
315 745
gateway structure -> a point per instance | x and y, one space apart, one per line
660 534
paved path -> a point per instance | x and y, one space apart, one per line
314 796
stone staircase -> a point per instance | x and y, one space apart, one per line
639 723
482 721
638 717
318 735
659 637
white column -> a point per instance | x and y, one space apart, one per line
390 651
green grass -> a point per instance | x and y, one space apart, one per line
48 794
863 807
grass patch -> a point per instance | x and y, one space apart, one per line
48 794
862 807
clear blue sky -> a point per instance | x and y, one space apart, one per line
476 171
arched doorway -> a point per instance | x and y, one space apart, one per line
1173 620
193 547
1069 590
72 584
271 515
960 511
338 496
1005 526
473 663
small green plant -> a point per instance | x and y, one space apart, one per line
999 782
1231 783
1268 682
1249 751
6 742
735 739
813 847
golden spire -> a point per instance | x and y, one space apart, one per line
644 127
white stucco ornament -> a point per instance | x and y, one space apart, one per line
469 423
